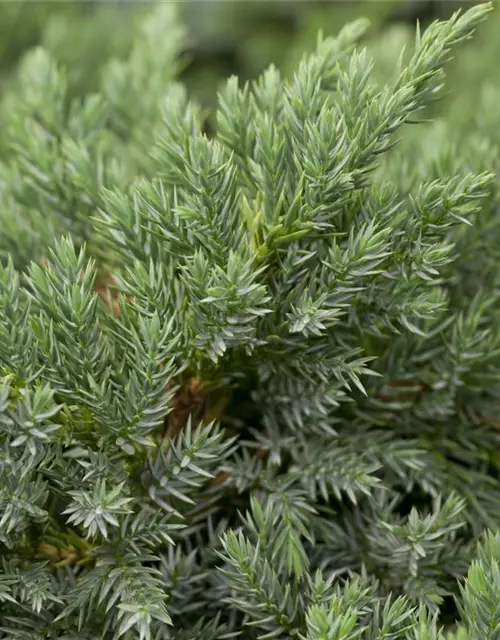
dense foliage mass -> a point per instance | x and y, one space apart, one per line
250 381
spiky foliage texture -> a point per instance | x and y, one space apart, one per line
249 382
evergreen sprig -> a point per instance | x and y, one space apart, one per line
249 379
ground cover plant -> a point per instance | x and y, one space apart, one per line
250 380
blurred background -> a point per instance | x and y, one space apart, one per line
224 37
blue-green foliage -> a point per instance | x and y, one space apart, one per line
249 381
